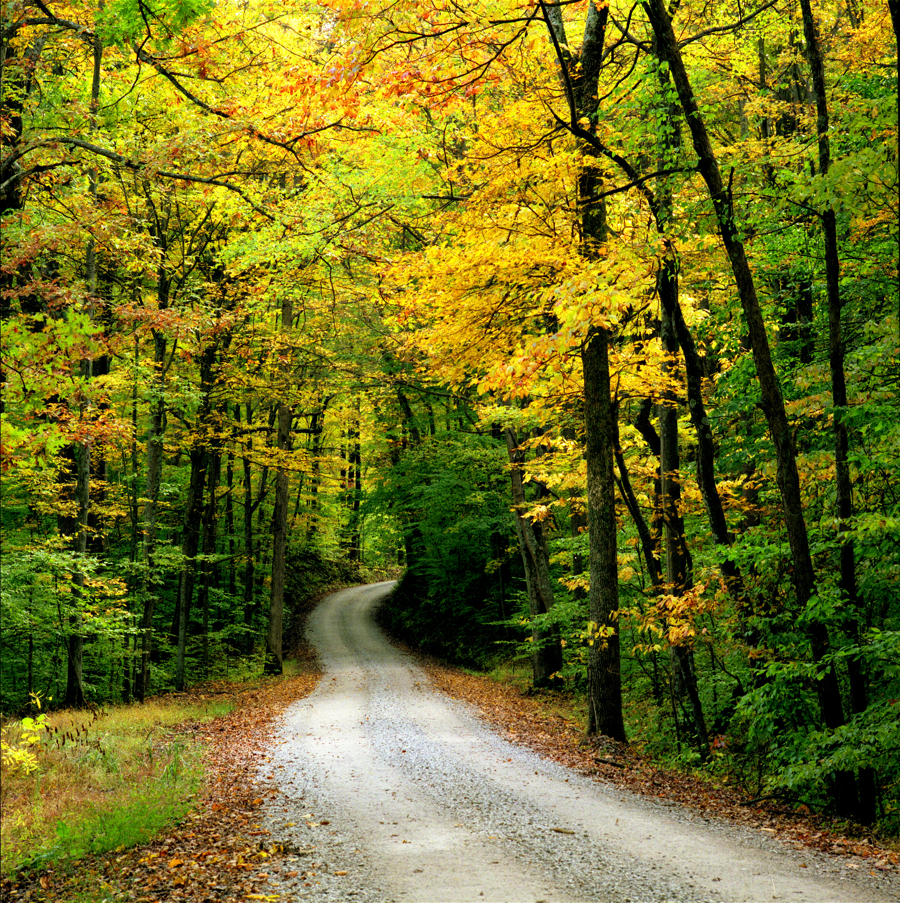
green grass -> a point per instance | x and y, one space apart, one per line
101 782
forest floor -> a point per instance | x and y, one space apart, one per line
220 851
529 720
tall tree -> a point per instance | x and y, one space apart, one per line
770 388
285 413
580 76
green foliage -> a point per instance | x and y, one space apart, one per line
407 199
17 754
133 820
105 780
449 495
125 21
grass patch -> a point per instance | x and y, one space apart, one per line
98 781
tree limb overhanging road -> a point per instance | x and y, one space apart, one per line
393 792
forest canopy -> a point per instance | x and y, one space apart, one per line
582 319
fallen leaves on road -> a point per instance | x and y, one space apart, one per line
525 720
220 851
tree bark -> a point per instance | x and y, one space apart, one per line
208 548
189 546
81 452
864 808
155 438
579 77
604 659
679 570
193 513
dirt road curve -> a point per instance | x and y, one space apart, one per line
393 792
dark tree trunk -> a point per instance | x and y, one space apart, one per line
274 652
353 489
604 659
770 390
863 808
229 525
316 426
207 569
193 513
546 657
155 438
679 575
78 457
579 76
251 547
189 546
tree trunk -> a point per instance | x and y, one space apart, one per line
770 390
189 545
155 438
74 697
604 660
81 451
229 525
316 426
193 512
863 808
208 548
546 657
579 76
679 571
274 652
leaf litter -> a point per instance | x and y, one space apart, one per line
526 721
221 851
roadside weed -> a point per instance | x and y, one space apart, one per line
97 781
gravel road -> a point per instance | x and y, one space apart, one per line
393 792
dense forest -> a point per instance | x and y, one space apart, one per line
582 318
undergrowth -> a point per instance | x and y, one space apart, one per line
97 780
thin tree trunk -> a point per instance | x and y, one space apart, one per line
579 76
770 390
155 438
274 651
229 525
208 548
546 657
316 427
356 468
75 640
189 546
249 546
679 576
865 805
193 512
81 451
604 657
679 567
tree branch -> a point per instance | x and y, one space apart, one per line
138 167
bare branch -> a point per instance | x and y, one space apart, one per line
138 167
